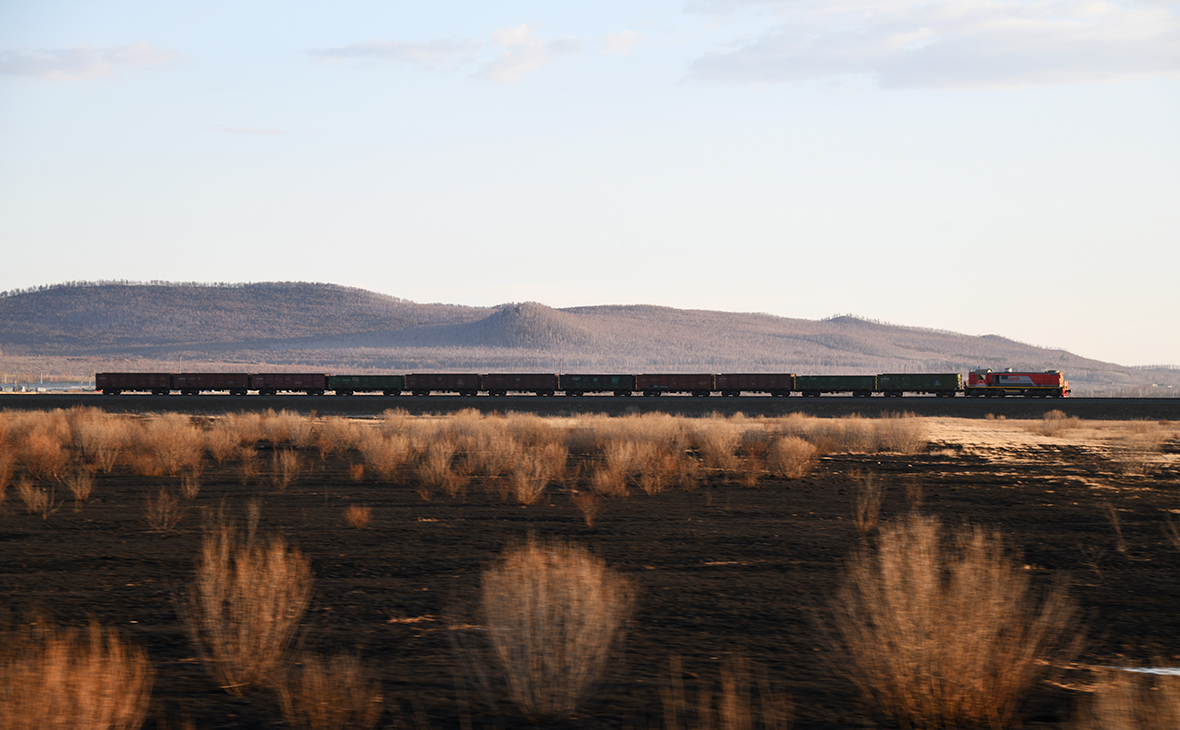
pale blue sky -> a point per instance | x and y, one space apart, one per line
984 166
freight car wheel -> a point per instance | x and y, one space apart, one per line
573 394
344 392
700 394
391 391
237 392
622 394
421 393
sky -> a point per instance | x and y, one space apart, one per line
1004 167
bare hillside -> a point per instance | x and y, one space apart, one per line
337 328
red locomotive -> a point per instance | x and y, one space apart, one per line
985 383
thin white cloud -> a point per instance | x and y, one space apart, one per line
621 43
82 62
950 43
523 54
246 130
429 54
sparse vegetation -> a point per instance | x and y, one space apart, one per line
358 516
942 633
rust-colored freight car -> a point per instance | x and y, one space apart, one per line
194 383
699 384
425 383
578 384
778 385
116 383
272 383
503 384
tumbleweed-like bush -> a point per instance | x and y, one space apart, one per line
942 631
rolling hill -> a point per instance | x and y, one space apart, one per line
89 326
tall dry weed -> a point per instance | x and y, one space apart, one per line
285 467
553 615
436 471
44 454
67 679
939 633
866 502
174 443
81 484
38 500
244 609
331 694
537 469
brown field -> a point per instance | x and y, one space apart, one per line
650 571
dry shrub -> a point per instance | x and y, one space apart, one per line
1171 528
848 435
80 484
736 707
335 435
540 467
493 454
288 428
1054 423
248 468
436 471
249 427
384 455
358 516
394 420
103 440
902 434
38 500
866 502
164 511
7 467
938 633
356 472
331 694
68 679
244 609
285 466
665 470
717 441
790 457
222 440
44 454
552 614
173 443
1132 703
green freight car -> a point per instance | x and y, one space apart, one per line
861 386
944 385
349 384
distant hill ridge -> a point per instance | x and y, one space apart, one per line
332 327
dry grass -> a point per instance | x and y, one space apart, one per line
436 470
103 440
1126 702
247 464
244 609
38 500
536 470
331 694
222 440
1140 446
285 468
384 456
902 433
1054 423
44 454
163 511
938 633
553 614
736 707
866 502
68 679
358 516
1112 515
791 457
80 484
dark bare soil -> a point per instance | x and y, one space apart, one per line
720 569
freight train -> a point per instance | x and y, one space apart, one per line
980 383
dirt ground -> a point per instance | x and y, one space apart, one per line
720 569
